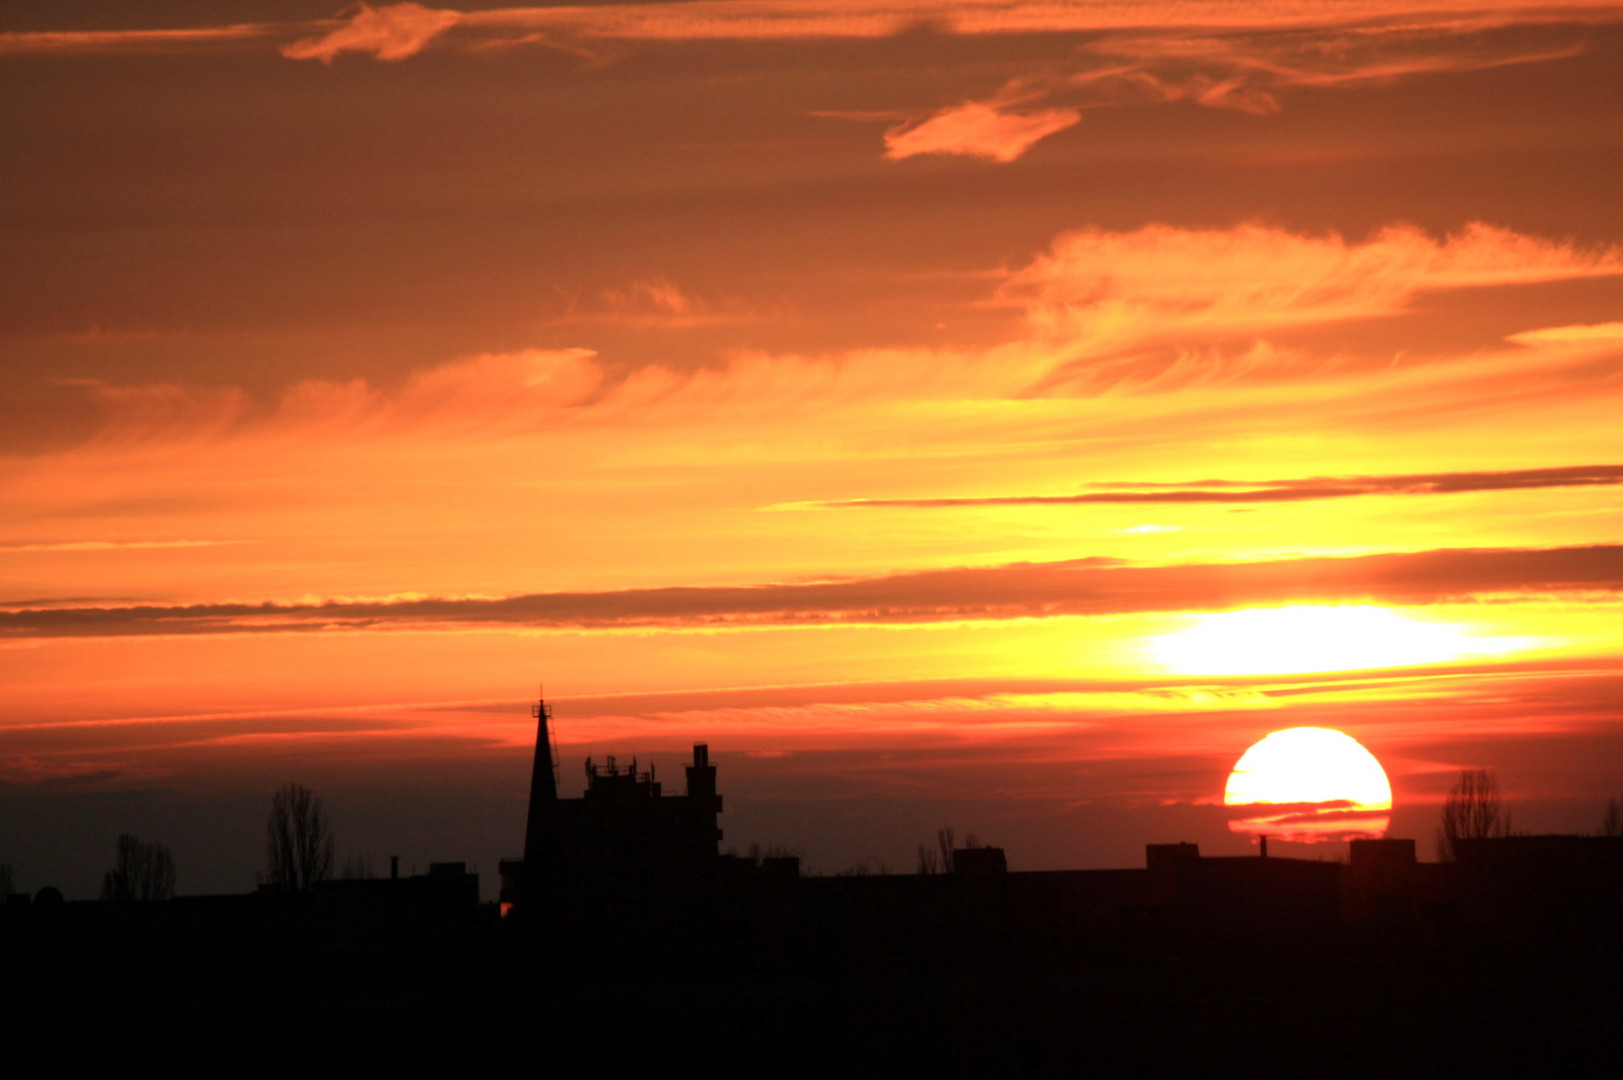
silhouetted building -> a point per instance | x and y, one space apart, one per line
1380 886
446 885
979 862
1548 884
1161 867
623 842
1258 893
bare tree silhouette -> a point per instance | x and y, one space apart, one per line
298 840
141 872
1474 809
1612 823
938 861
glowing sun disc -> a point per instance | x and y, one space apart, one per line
1309 784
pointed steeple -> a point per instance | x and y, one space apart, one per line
541 828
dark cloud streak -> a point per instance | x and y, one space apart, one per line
1019 590
1321 487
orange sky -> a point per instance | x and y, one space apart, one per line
865 389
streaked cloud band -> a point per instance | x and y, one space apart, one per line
1019 590
1269 491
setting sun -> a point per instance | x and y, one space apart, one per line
1309 784
1302 638
1010 406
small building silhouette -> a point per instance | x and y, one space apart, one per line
1380 886
979 862
1551 885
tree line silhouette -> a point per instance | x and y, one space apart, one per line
299 850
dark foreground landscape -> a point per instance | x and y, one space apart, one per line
625 942
1008 974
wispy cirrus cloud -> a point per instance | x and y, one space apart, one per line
390 32
107 545
1256 276
494 393
1242 56
1577 335
1097 299
1296 490
1021 590
1237 68
977 130
394 31
654 301
776 20
37 772
93 42
1112 295
1145 314
1248 71
1241 66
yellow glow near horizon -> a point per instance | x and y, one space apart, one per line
1309 784
1305 637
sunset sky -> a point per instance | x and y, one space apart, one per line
869 390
